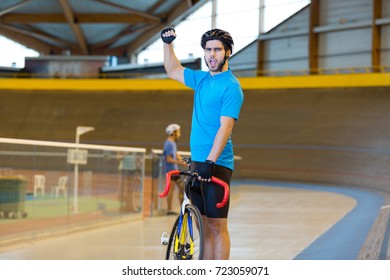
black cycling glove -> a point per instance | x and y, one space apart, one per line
168 39
206 170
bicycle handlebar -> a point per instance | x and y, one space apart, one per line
193 173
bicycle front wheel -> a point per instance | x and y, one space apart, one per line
186 239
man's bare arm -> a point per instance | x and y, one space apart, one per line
172 65
224 131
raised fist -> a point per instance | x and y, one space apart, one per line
168 35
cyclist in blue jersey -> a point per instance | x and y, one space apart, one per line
218 99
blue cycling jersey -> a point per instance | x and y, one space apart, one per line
215 96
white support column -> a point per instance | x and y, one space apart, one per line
214 14
79 131
261 16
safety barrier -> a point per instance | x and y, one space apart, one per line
42 192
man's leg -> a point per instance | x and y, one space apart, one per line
217 239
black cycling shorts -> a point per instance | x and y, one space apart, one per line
205 195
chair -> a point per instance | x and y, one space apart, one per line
39 184
61 186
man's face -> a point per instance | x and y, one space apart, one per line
177 134
214 55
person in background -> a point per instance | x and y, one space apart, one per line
129 168
172 160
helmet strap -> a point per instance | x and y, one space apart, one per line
223 62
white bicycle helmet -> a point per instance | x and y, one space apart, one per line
172 128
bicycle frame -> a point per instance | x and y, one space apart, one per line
185 223
182 234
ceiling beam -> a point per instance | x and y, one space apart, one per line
177 14
113 18
39 35
141 25
69 15
79 18
183 9
107 44
157 5
28 41
14 7
33 18
131 11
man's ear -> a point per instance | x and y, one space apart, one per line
228 53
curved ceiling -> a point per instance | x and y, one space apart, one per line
90 27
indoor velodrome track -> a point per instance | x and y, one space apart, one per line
313 182
268 221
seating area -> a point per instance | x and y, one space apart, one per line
39 185
56 191
60 188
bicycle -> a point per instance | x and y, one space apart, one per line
186 241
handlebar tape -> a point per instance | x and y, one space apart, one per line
213 179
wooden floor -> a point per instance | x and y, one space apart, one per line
267 221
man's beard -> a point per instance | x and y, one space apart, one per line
217 68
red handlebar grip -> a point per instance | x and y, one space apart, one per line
226 192
168 182
213 179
